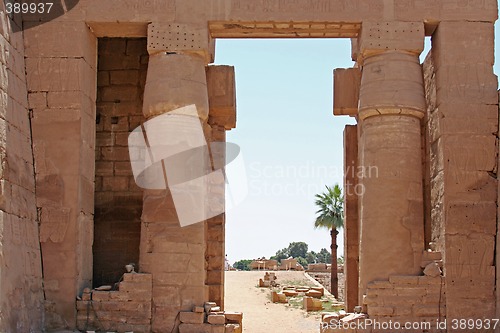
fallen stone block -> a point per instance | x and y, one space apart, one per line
278 297
264 283
314 293
234 317
216 319
312 304
320 289
290 293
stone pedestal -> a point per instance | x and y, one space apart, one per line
391 107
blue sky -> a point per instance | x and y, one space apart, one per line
290 140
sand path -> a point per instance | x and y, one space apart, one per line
259 314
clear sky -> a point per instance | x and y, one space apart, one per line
290 140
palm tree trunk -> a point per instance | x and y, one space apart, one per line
334 276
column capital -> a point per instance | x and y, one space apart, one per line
392 83
181 38
378 37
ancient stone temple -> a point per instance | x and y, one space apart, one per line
421 207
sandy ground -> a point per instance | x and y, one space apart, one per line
259 314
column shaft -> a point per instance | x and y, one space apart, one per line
391 106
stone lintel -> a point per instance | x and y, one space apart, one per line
392 83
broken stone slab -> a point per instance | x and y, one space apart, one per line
351 317
312 304
290 293
314 293
209 305
320 289
278 297
215 309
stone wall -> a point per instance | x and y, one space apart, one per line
127 309
407 299
465 136
61 71
21 300
122 69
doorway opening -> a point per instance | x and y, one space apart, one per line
122 68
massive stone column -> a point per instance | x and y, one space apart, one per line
391 107
174 255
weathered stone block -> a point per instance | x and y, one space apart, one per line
192 317
312 304
216 319
222 96
195 328
346 84
379 36
234 317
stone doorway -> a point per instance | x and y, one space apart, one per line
121 75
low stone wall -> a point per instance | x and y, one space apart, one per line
126 310
324 278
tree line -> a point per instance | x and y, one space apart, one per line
297 250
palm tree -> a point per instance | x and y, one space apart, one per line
331 216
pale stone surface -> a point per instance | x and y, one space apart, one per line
175 81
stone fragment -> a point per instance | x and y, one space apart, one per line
233 328
209 305
278 297
314 293
432 270
290 293
198 309
312 304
